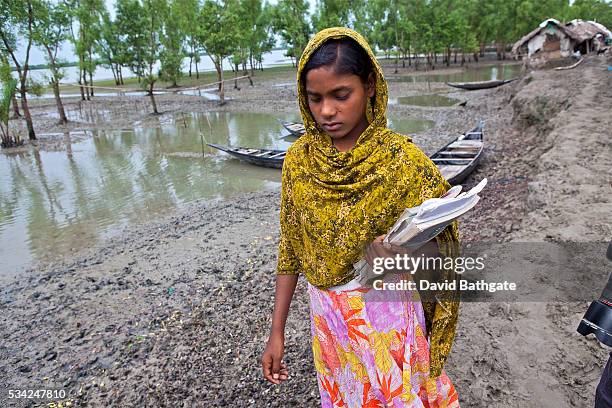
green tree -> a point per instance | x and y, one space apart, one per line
8 86
51 26
466 36
218 36
172 40
86 15
132 26
17 20
258 36
596 10
290 21
239 9
187 9
109 47
141 26
331 13
153 26
360 19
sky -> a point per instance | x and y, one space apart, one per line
67 51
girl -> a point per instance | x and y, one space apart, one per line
344 183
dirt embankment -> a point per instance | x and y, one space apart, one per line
176 312
554 136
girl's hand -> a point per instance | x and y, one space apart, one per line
378 249
274 370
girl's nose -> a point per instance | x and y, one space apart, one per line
327 108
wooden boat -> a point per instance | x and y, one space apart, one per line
457 159
260 157
472 86
296 129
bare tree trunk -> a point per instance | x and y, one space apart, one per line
58 102
114 74
26 113
121 75
236 77
85 87
16 113
197 72
190 61
81 85
219 68
91 82
152 96
82 75
396 70
222 87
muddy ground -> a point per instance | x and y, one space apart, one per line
176 312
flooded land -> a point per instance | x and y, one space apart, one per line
137 263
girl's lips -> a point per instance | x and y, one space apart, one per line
332 126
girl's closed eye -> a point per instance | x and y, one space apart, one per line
314 98
343 97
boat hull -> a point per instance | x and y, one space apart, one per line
473 86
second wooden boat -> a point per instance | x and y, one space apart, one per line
296 129
260 157
472 86
457 159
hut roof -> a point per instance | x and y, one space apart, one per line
587 30
577 30
537 31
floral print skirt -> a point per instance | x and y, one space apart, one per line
370 350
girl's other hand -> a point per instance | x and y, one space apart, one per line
274 370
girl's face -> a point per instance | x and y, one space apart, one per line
338 102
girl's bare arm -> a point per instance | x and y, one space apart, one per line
273 369
285 287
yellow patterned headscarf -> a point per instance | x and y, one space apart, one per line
335 203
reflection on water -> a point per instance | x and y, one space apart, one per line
408 125
427 100
53 203
472 74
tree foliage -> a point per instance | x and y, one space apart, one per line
290 21
8 87
152 38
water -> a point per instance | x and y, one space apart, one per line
427 100
55 202
472 74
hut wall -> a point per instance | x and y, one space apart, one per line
567 46
550 43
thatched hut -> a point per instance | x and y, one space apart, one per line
552 40
590 36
